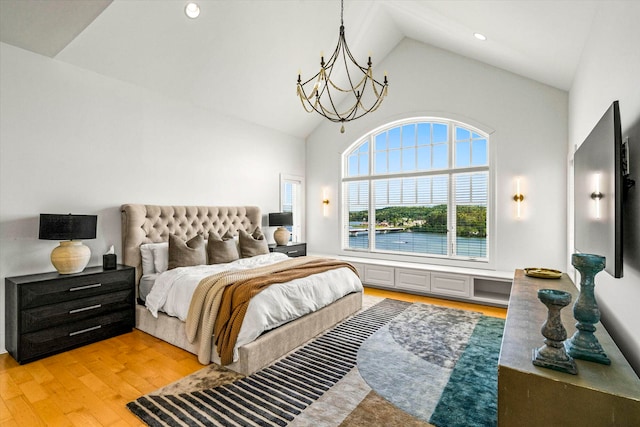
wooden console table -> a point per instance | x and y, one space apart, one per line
528 395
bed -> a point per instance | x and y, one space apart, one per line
148 225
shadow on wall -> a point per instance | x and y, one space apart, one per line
20 236
24 253
631 204
109 231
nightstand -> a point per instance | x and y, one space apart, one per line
292 249
50 313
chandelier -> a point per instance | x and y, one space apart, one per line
320 93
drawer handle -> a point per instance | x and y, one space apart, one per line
82 331
91 307
292 252
81 288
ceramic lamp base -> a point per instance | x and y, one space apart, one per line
281 236
70 257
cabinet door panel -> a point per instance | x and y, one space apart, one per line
413 280
450 284
379 275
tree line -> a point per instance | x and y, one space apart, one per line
471 220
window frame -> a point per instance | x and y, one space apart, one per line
298 205
451 171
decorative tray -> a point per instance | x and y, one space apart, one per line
543 273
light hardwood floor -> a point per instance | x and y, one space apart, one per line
91 385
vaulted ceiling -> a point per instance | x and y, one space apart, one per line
241 57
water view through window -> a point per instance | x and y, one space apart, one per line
409 238
424 188
418 242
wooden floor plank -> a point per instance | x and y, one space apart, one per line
33 391
39 372
91 385
8 387
63 397
486 310
51 413
23 413
5 415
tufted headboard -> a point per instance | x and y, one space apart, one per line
153 224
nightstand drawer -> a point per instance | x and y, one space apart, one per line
292 250
48 316
54 291
35 345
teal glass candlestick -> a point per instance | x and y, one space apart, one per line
552 354
584 344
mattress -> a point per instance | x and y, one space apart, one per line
276 305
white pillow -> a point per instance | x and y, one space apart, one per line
161 257
148 264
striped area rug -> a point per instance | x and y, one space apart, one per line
273 396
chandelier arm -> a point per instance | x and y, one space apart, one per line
305 107
348 115
303 97
375 83
301 93
331 115
329 67
326 89
322 111
351 110
367 74
345 50
352 59
375 106
335 114
333 105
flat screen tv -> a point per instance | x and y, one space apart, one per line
598 192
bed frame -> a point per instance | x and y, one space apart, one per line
152 224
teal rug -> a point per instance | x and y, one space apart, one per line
471 395
393 364
437 364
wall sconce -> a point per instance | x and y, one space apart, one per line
518 197
325 203
597 195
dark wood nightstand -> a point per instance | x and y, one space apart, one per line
292 249
50 313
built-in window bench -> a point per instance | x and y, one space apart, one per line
487 287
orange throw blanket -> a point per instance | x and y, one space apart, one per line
236 297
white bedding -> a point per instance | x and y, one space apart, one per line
274 306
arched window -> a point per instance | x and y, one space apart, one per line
418 188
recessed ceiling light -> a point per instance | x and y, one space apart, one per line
480 36
192 10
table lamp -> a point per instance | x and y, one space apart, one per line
72 256
281 220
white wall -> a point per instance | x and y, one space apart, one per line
529 121
609 70
75 141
